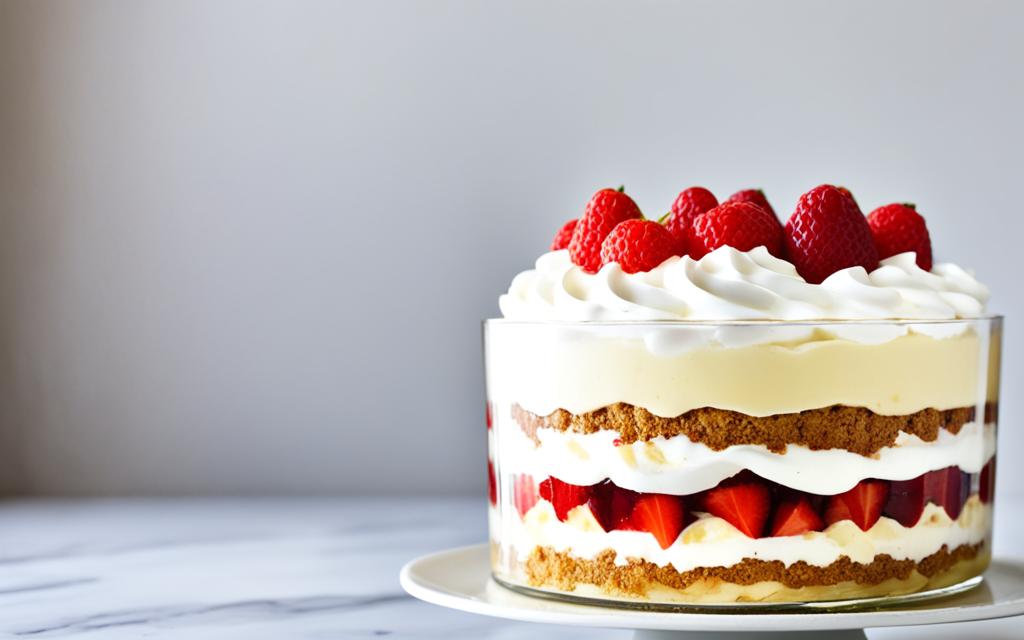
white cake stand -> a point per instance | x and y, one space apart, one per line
460 579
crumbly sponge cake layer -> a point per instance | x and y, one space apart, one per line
547 568
854 429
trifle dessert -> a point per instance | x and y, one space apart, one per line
716 408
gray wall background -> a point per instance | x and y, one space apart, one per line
245 246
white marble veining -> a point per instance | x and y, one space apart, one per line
199 569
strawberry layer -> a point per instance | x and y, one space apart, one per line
678 465
753 504
712 542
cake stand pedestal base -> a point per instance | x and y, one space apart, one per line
461 579
835 634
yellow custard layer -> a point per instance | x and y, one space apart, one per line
547 368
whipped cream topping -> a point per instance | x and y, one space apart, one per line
728 284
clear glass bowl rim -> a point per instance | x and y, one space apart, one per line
994 319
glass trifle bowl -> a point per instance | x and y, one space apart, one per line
741 462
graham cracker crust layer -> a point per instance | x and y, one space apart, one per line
546 567
854 429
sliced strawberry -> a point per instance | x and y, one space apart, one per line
836 510
795 516
862 504
906 501
564 497
524 494
744 505
659 514
988 481
611 505
492 484
947 488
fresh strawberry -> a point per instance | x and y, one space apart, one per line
492 484
564 497
524 494
744 505
606 209
661 515
906 501
795 516
899 227
753 196
827 233
638 245
862 504
947 488
689 204
846 192
564 235
740 225
611 505
987 482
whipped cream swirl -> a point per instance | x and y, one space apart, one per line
728 284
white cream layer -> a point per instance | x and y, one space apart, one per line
679 466
713 542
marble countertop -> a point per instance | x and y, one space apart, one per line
197 569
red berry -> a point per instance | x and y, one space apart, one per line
827 233
987 482
638 245
661 515
689 204
794 517
564 235
753 196
606 209
906 501
861 504
524 494
492 484
947 488
740 225
564 497
846 192
898 228
611 505
744 505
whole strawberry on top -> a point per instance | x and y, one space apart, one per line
826 233
741 225
898 228
564 235
689 204
638 245
753 196
846 192
606 209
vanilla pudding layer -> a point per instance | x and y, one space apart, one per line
680 466
582 368
713 542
